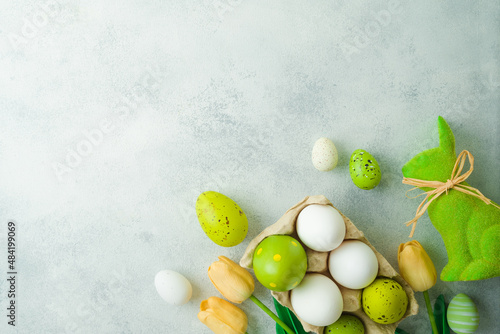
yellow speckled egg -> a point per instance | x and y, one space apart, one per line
384 301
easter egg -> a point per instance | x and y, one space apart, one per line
221 219
462 314
324 155
174 288
320 227
384 301
347 324
364 170
353 264
317 300
279 262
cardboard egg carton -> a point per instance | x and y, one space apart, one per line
317 262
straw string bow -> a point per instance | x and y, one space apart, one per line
455 182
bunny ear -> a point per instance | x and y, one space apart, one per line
446 137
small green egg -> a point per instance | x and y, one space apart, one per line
364 169
279 262
384 301
347 324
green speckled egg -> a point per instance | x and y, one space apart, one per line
462 314
221 219
364 170
347 324
384 301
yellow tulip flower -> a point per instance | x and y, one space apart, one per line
236 284
416 267
222 317
233 281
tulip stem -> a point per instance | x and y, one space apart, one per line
429 311
271 314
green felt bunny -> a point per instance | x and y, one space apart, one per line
470 228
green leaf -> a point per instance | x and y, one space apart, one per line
440 315
288 318
400 331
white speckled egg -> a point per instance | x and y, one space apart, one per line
320 227
353 264
324 155
174 288
462 314
317 300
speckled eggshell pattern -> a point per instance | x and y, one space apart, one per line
324 155
364 170
384 301
221 218
347 324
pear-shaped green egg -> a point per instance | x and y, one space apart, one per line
222 220
364 170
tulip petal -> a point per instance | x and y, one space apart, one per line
215 324
244 275
222 317
416 266
231 280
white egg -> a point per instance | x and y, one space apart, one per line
353 264
317 300
324 155
174 288
320 227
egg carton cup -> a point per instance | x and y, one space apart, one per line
317 262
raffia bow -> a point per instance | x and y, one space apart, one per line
442 187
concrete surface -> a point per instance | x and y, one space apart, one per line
115 115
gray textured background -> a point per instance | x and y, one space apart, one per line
230 96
